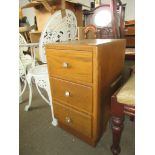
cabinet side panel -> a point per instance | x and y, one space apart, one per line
111 61
96 115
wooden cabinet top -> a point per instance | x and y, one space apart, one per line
82 44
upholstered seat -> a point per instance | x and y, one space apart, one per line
122 103
126 95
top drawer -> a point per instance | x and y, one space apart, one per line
70 65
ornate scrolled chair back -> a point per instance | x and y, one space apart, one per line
58 29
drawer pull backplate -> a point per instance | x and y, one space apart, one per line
65 65
68 120
67 93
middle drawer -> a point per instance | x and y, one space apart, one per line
75 95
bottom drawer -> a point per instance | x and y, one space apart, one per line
74 119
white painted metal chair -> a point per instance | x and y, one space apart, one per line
22 78
57 29
25 62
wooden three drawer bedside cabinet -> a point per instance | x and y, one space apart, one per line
81 73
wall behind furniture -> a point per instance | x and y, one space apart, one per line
28 12
130 8
129 13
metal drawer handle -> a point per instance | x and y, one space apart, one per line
67 93
65 65
68 120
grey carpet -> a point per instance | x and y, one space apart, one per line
38 137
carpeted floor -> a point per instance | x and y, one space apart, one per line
39 137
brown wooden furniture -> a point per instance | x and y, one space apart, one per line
122 102
130 39
130 33
90 32
116 30
24 30
80 74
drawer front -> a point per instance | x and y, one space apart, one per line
70 65
74 119
77 96
130 31
130 41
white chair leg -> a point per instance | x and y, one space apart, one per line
46 100
20 97
22 91
54 120
29 81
